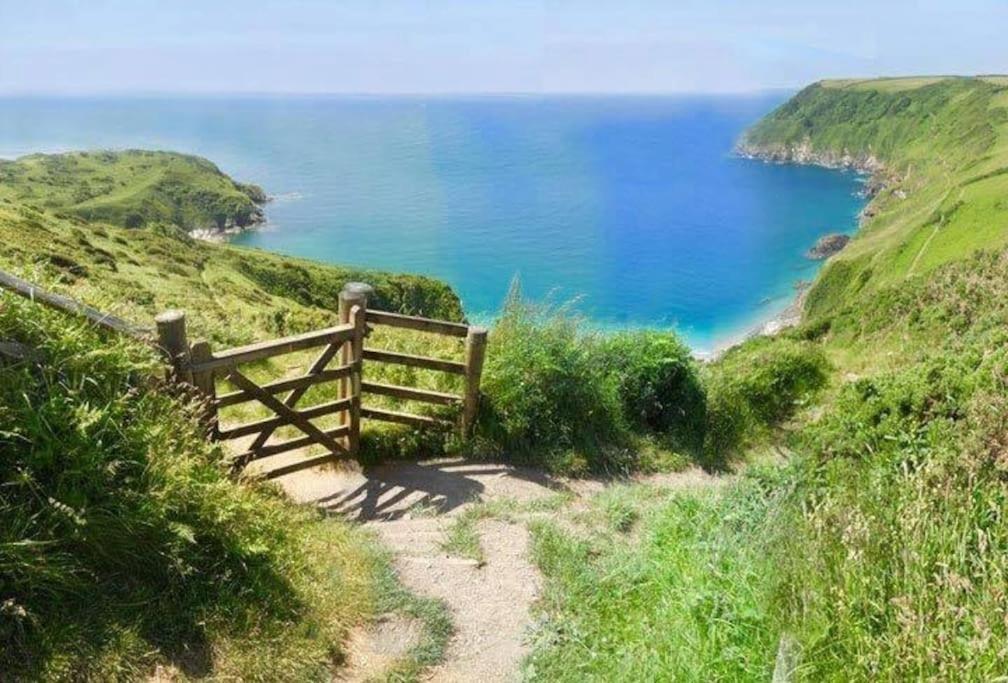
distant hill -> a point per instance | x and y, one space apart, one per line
133 189
114 227
938 148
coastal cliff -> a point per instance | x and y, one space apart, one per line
135 189
929 146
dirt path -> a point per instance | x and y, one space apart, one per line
411 507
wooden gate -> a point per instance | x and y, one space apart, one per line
341 361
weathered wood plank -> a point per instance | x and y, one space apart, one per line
383 356
276 347
411 322
284 446
404 418
271 424
289 414
298 466
319 364
411 394
29 291
302 382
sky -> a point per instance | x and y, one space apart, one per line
486 46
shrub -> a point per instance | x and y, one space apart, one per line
124 544
756 386
547 396
659 384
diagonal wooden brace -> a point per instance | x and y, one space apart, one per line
295 395
286 412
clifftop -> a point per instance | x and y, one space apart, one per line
114 228
134 188
938 150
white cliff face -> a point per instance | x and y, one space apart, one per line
804 153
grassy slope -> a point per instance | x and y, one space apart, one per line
878 551
944 143
232 295
133 188
275 603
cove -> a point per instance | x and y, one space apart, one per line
633 207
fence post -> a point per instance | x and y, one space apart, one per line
204 383
357 358
171 328
353 294
475 351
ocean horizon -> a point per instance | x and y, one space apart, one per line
631 206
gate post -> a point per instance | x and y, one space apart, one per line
354 294
171 328
475 351
204 382
357 359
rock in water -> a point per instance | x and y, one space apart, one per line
827 246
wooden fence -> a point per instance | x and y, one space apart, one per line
341 361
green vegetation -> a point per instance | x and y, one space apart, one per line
872 546
132 189
125 546
944 144
877 550
123 543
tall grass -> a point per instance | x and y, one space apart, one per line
124 545
576 400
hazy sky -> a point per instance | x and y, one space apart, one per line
439 46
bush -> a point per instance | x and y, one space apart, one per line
547 396
659 385
756 386
124 544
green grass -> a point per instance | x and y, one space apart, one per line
462 538
944 143
132 189
124 544
681 599
879 548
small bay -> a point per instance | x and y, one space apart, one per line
633 206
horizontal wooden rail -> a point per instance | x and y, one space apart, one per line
300 465
383 356
242 396
275 347
29 291
289 445
404 418
274 422
410 393
410 322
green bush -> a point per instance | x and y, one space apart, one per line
659 384
548 397
124 544
756 386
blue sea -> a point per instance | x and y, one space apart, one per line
633 207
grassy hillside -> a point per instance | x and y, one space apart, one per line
232 295
944 146
133 189
871 542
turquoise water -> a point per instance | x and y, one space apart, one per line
634 206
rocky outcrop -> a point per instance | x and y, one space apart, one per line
827 245
803 153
